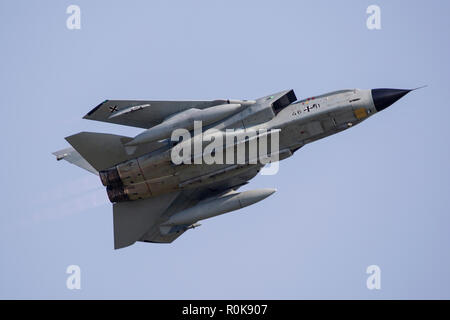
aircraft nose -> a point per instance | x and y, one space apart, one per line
383 98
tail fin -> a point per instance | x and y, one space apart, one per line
132 219
102 150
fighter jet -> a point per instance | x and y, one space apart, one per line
156 198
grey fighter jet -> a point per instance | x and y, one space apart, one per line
156 199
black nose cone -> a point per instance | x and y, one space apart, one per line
383 98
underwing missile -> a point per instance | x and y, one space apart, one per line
185 120
213 207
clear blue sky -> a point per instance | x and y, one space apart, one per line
375 194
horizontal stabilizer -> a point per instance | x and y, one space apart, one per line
72 156
102 150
